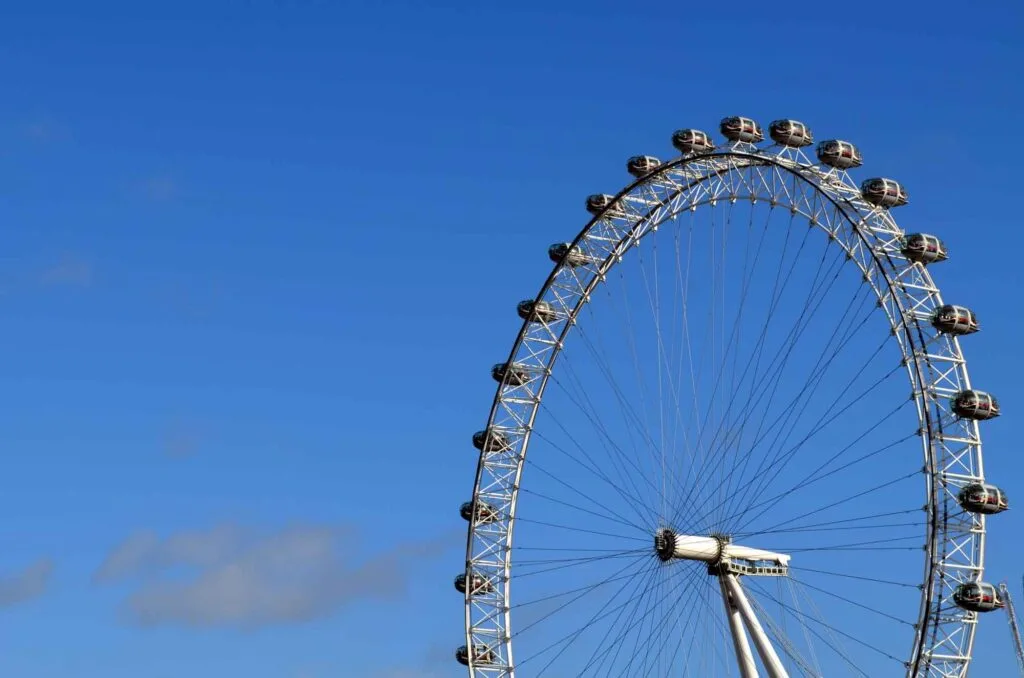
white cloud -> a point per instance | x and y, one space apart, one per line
160 188
27 584
45 129
244 579
71 269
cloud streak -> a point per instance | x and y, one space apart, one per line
70 270
239 578
27 584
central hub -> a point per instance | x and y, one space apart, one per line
665 544
718 551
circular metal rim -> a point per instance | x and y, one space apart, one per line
877 233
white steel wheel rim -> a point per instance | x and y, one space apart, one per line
828 200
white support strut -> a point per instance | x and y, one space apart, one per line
771 661
744 657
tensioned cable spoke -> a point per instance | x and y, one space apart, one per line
782 641
794 334
630 626
636 424
620 460
813 477
811 384
777 289
581 593
854 603
873 580
832 628
580 530
855 545
793 411
565 563
614 518
802 442
844 500
641 588
617 576
840 524
631 500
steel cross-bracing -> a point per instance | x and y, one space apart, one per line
940 645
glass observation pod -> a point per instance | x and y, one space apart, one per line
882 192
839 154
924 248
692 141
514 375
563 252
978 405
978 597
480 584
485 513
955 320
491 440
983 498
481 655
599 202
641 165
536 311
792 133
738 128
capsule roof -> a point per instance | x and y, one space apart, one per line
738 128
839 154
884 192
692 141
640 165
792 133
924 248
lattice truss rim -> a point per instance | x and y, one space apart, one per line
827 199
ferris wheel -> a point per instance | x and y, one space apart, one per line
735 435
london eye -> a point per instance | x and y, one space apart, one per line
735 434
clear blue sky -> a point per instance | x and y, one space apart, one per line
256 259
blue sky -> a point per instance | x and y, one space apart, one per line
257 258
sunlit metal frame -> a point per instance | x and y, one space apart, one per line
829 200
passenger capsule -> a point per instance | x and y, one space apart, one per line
738 128
480 584
641 165
563 252
485 513
791 133
882 192
977 405
514 375
491 440
536 311
481 655
839 154
955 320
924 248
978 597
986 499
599 202
692 141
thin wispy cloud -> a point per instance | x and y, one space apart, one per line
183 439
232 577
159 188
27 584
46 129
71 269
